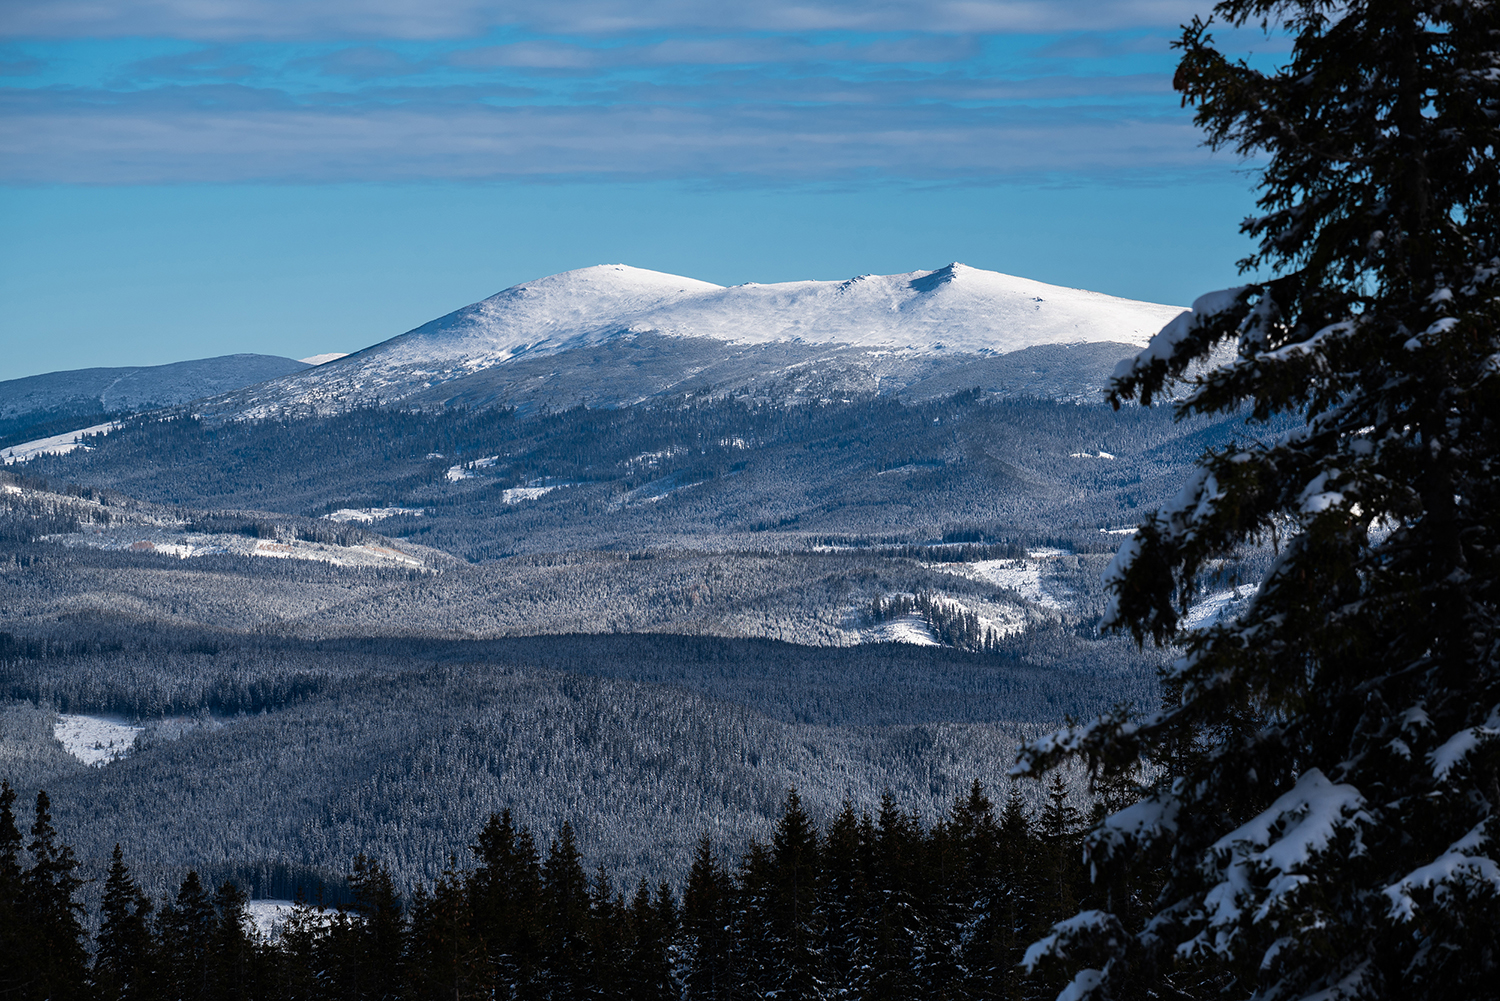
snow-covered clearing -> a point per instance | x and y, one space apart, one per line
58 444
1210 610
95 740
910 628
369 514
269 917
658 490
1090 455
1024 577
465 470
366 554
515 495
184 545
656 458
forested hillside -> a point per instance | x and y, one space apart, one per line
697 475
648 622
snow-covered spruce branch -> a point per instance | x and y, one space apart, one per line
1323 821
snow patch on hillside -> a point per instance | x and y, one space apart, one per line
910 628
186 545
516 495
1221 605
465 470
1024 577
95 740
268 918
366 515
58 444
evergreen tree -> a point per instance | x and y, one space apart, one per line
706 928
946 895
18 940
565 919
55 960
445 955
15 933
846 901
652 925
1017 900
795 914
234 966
295 964
124 952
504 893
380 932
185 928
756 954
896 928
1058 828
607 938
1329 769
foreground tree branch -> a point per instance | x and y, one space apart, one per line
1329 761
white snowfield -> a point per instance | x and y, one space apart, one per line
1221 605
1021 576
367 515
953 310
58 444
268 918
909 628
185 545
95 740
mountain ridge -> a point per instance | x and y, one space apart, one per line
31 404
885 331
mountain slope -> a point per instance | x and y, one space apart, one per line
29 403
883 333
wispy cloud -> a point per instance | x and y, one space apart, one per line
300 20
555 55
164 91
230 133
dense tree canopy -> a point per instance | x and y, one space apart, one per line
1329 772
868 906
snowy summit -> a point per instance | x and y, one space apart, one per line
953 311
955 308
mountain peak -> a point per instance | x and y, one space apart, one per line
934 280
955 310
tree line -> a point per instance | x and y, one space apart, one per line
870 905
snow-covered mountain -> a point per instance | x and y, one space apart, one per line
615 334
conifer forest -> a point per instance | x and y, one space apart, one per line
872 904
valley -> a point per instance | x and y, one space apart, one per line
641 576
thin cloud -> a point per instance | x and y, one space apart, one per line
298 20
566 56
238 135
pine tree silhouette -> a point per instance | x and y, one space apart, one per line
123 954
56 958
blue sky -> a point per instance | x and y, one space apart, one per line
183 178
